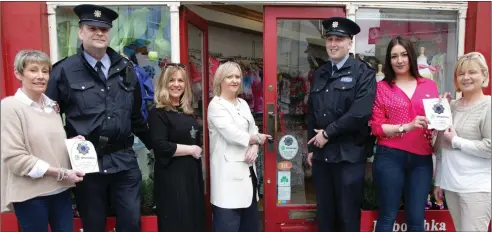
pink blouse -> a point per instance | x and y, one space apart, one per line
392 106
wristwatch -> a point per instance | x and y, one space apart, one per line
325 135
401 129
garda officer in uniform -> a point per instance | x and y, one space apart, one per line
99 93
339 107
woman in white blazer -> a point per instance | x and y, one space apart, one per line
234 141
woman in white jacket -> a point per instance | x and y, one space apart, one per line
234 141
463 151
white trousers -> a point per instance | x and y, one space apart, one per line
470 211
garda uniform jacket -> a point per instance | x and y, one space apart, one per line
341 104
105 112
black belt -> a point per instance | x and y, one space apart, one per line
115 146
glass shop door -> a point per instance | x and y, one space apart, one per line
295 48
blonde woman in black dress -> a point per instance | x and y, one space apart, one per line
178 178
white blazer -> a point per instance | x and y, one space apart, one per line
230 180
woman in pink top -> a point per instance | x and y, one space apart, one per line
403 158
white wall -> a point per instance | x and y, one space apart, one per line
362 39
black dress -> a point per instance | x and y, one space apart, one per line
178 181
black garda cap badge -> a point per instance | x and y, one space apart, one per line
97 16
340 26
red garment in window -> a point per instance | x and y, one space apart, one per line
298 91
392 106
213 65
196 75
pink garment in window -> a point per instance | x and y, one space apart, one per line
196 75
392 106
213 64
257 89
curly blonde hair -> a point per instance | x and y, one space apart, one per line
161 96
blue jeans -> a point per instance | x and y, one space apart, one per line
35 214
395 170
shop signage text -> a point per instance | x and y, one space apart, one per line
429 225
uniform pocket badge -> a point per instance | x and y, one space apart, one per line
346 79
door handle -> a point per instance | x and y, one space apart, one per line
271 125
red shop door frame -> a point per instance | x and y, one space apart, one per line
277 217
186 16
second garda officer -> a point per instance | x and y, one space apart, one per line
339 107
98 92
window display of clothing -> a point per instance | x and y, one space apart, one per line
247 93
257 90
147 90
439 63
292 93
213 65
196 81
424 69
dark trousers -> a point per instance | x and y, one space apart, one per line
238 220
339 193
35 214
394 171
96 191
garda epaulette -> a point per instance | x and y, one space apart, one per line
58 62
126 59
127 79
367 63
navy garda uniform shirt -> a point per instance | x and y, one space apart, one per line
106 111
340 102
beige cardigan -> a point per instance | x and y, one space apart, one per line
464 165
29 135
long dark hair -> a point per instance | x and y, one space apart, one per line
389 73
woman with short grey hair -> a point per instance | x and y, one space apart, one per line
35 166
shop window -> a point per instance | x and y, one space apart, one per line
142 34
433 33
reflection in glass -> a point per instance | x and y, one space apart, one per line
195 72
300 51
433 33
